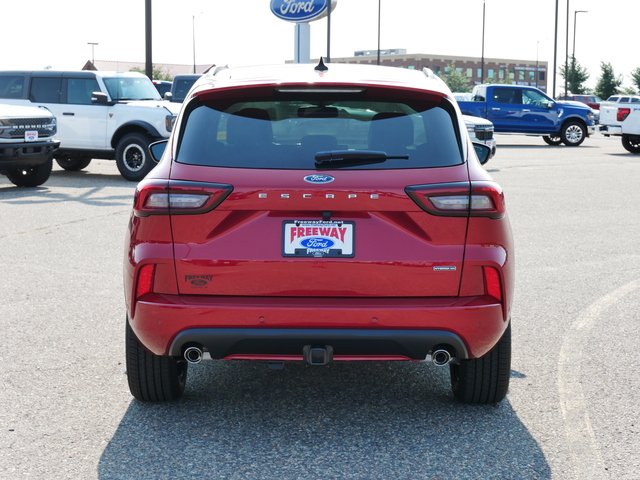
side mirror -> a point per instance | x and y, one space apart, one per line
483 152
551 105
157 149
99 98
168 96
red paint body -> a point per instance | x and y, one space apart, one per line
411 270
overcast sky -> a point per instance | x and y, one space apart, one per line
41 33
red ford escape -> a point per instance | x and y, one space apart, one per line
319 214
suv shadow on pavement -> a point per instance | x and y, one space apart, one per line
392 420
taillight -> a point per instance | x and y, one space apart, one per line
163 197
492 282
460 199
623 113
146 275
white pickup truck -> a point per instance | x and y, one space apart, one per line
620 116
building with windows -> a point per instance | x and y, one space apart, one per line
496 70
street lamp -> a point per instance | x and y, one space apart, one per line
537 68
482 59
566 56
573 55
193 36
93 44
379 9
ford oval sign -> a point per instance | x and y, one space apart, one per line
300 11
321 243
319 179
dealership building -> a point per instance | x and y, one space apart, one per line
498 70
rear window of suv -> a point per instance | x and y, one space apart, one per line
288 133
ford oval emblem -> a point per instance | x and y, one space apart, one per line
299 10
317 242
319 178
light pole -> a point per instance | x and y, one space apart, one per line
193 37
555 52
379 7
482 59
573 55
537 48
93 44
566 56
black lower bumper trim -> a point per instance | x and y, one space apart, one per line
223 342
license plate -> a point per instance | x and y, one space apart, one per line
31 136
318 239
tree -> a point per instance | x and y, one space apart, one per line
505 80
158 73
608 83
635 78
456 80
578 75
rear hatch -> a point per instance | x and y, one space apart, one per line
311 195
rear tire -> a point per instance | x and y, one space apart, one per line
631 143
73 164
153 378
573 133
31 176
133 158
553 140
485 379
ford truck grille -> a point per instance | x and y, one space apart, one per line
16 127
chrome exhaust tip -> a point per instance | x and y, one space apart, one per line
193 355
441 357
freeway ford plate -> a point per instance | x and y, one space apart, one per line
303 238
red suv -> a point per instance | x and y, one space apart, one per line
319 214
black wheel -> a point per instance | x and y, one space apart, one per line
133 158
31 176
73 164
153 378
631 143
484 379
552 140
573 133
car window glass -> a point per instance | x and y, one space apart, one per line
80 90
11 86
507 95
288 134
531 97
131 88
46 90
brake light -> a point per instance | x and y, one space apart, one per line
623 113
146 274
492 282
162 197
460 199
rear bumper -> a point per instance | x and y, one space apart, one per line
288 343
245 326
610 129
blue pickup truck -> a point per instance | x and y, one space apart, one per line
526 110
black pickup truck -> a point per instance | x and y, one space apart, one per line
27 144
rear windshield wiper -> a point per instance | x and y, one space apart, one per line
343 158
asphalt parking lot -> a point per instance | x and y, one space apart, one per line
571 412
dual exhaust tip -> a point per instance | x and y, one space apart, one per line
441 357
321 355
193 355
